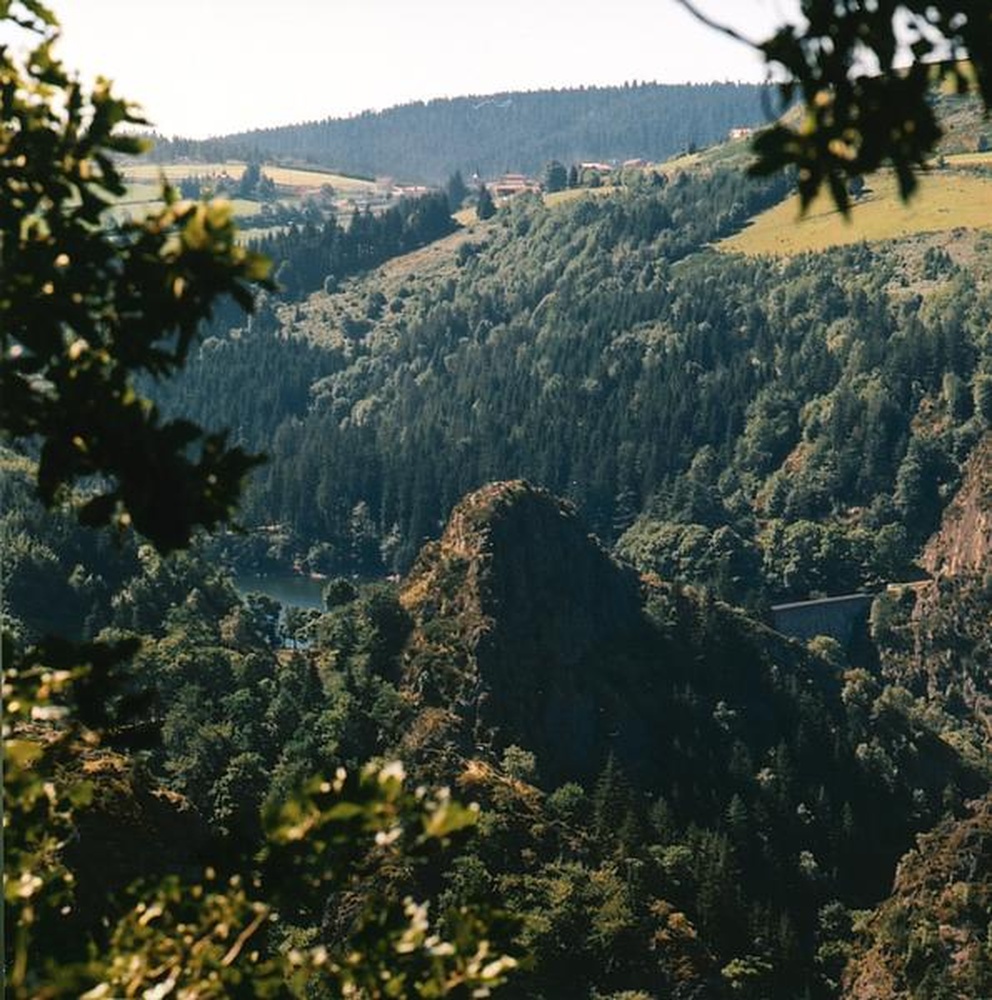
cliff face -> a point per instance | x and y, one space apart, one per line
525 631
937 641
513 607
930 938
964 543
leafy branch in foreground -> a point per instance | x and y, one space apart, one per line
88 306
218 938
228 936
864 72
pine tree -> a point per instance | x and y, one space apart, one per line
555 177
456 190
485 207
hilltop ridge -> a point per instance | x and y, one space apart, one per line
488 134
526 631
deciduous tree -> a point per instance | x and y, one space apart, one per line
86 310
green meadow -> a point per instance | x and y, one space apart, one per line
947 199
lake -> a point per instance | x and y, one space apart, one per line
287 588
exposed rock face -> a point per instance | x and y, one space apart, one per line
939 640
964 543
526 632
931 937
513 606
532 568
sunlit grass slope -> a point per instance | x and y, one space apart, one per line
283 176
947 199
144 185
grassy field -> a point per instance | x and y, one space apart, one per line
732 155
144 186
438 256
465 216
139 202
945 200
970 159
293 177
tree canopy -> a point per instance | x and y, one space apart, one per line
91 313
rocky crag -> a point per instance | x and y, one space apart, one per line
930 938
936 637
517 608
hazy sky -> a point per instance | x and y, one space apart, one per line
204 67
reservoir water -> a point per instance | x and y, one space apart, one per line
294 589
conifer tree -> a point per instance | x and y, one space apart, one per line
485 207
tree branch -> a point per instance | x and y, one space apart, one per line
724 29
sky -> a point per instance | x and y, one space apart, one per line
210 67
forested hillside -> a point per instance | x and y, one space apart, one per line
318 254
502 132
676 800
772 428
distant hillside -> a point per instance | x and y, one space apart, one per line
499 132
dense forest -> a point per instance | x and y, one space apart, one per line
490 134
773 429
758 428
676 800
317 255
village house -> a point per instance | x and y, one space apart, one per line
511 184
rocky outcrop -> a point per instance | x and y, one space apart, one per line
964 542
526 631
937 638
930 938
519 613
